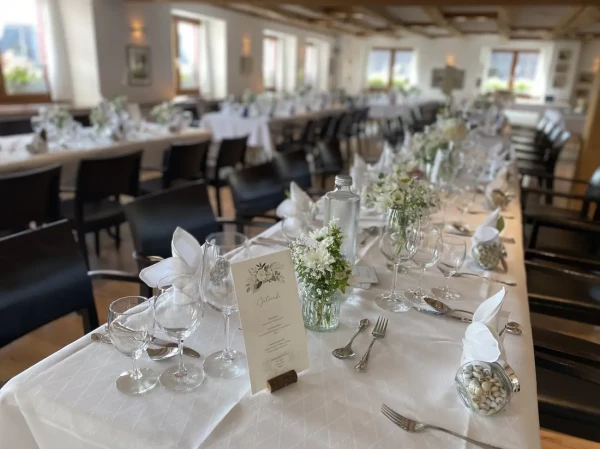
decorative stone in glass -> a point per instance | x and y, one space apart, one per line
486 388
320 312
487 250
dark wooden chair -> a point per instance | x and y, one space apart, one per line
97 206
15 126
29 196
181 163
232 155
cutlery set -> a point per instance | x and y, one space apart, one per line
166 349
347 352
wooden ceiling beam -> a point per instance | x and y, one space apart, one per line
566 21
440 20
329 15
381 13
318 22
504 22
581 18
345 3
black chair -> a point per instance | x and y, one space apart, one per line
153 219
97 206
568 373
232 154
29 196
186 162
307 139
256 190
329 160
15 126
83 119
293 166
43 276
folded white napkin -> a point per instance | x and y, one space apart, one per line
484 234
491 219
359 173
481 341
498 183
187 259
299 205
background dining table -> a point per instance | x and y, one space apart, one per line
69 400
153 140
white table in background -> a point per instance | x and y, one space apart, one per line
69 400
14 156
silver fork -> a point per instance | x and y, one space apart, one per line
414 426
498 281
378 332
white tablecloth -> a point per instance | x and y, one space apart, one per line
14 156
70 401
258 129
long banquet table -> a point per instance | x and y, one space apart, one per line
69 400
14 156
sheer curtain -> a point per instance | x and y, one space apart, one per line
206 61
59 75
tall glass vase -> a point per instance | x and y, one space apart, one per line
320 310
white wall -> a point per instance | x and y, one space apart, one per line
471 54
112 33
590 50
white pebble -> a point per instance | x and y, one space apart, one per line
486 386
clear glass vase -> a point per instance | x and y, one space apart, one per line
320 311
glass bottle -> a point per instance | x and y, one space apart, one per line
344 205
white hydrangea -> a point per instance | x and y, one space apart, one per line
318 259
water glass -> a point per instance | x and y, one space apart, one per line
179 310
222 249
397 244
428 253
130 325
453 257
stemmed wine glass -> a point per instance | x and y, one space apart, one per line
130 325
179 310
429 250
397 244
453 257
222 249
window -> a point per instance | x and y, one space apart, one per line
22 54
270 62
311 65
187 50
512 70
389 67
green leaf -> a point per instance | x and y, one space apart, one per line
500 224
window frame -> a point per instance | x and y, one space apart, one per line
513 66
315 47
392 51
276 40
5 97
175 20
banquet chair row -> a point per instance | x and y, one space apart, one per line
23 125
101 182
44 277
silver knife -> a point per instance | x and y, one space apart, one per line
167 344
160 342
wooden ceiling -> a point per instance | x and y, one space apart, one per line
526 19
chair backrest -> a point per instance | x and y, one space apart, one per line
309 132
232 152
29 196
256 189
15 126
153 218
98 179
292 166
330 155
43 276
185 162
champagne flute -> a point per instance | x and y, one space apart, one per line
453 257
397 244
130 323
428 253
222 249
179 310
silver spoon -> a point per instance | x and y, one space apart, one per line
155 354
463 229
512 327
347 352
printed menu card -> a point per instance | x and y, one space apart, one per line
271 317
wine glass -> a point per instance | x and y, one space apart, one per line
453 256
428 252
179 310
397 244
130 323
222 249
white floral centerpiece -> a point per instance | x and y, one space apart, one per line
248 97
323 273
102 117
162 113
428 143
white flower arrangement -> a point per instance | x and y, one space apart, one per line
248 97
399 190
101 115
320 265
164 113
427 144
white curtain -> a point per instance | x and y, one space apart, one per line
207 90
59 75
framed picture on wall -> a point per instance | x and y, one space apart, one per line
139 65
586 77
564 55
